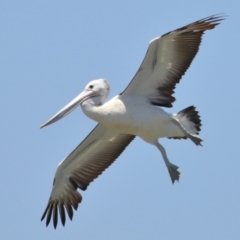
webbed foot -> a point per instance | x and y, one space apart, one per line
174 172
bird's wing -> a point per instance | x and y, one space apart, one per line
167 59
97 152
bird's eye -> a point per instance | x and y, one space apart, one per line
91 87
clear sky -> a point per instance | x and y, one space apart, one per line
49 51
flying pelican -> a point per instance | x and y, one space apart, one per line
134 112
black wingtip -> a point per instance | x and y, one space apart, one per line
62 214
55 215
45 212
214 19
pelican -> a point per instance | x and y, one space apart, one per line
134 112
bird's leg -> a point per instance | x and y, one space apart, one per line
172 169
197 140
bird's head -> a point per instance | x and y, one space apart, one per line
96 91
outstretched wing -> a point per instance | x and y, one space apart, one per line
97 152
167 59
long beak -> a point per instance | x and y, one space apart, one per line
70 107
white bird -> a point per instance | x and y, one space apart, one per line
134 112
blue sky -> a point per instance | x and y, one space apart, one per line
49 51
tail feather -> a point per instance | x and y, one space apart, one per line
190 119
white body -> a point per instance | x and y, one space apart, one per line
137 111
132 115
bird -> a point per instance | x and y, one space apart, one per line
138 111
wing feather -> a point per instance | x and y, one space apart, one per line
167 59
96 153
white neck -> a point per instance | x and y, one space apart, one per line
91 107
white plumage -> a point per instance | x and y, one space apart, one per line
135 112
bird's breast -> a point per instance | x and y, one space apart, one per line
129 116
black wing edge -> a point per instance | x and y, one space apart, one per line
213 19
73 199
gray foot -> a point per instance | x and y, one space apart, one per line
197 140
174 172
